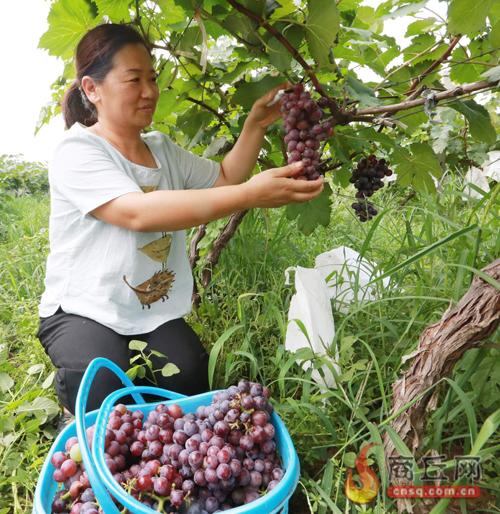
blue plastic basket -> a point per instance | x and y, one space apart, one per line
100 477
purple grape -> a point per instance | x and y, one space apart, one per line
211 504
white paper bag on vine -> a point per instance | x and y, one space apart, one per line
311 312
347 276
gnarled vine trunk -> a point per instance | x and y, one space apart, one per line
441 345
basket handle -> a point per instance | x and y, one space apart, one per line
99 439
102 495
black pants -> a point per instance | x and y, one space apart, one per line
72 341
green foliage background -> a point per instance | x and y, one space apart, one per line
255 45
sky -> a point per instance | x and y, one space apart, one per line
29 71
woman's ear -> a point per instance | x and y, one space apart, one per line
90 89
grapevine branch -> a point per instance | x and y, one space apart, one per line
441 346
194 255
219 244
408 104
413 92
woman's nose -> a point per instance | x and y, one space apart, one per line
150 90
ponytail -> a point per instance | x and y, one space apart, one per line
77 108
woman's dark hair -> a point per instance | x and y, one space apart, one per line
94 56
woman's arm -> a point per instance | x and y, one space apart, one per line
238 164
164 211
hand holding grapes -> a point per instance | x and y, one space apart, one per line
277 186
261 114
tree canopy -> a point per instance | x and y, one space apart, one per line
215 58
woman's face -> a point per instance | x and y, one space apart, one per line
127 97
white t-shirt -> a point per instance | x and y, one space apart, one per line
117 277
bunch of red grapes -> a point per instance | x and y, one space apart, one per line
304 130
217 458
367 178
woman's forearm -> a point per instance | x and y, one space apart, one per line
164 211
240 161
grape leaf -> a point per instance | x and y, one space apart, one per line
286 7
313 213
342 175
493 74
466 17
240 24
248 92
323 23
494 14
479 120
413 120
115 10
192 121
463 73
495 35
415 166
190 38
368 17
68 22
166 103
361 92
406 10
173 13
256 6
417 27
279 56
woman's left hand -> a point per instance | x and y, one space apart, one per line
261 115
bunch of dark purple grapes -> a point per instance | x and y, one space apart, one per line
367 178
222 456
304 130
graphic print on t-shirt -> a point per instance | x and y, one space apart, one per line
148 189
158 286
158 249
155 288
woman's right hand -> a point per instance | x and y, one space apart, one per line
277 186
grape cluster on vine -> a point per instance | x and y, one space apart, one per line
221 456
367 179
304 130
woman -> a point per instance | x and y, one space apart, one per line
120 203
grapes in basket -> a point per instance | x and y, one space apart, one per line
219 457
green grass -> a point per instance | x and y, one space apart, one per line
429 247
